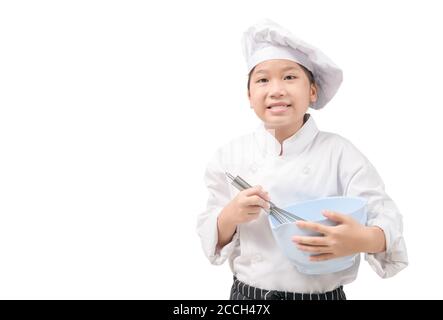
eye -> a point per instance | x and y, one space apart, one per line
262 80
290 77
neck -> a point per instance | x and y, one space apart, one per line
283 133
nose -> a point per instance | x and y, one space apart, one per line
277 89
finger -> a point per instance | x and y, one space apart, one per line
257 201
265 195
314 249
317 227
322 257
253 190
312 241
257 190
252 214
335 216
251 210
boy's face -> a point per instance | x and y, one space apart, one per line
280 94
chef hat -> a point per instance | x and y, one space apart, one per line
267 40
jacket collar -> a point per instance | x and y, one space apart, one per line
293 145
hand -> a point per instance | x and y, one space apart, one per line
346 238
246 206
243 208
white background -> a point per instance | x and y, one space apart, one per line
110 110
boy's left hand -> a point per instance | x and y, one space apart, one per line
346 238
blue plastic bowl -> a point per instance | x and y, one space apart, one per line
312 211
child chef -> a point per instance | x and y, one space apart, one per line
288 157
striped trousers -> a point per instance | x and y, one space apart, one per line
242 291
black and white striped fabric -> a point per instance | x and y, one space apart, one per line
242 291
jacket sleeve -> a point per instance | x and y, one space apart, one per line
219 197
364 181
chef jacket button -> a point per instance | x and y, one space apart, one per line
254 168
306 170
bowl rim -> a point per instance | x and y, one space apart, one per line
328 198
364 201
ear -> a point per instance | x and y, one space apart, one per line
313 93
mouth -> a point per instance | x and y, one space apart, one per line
279 104
278 108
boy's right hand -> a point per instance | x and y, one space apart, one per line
246 205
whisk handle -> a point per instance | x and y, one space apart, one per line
241 185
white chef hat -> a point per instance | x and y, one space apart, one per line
266 40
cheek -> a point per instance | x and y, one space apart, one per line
301 94
254 100
256 97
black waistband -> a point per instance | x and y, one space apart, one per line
242 291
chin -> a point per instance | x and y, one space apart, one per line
275 124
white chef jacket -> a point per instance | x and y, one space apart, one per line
313 164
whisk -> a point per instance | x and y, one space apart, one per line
282 216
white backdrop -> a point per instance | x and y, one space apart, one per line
110 110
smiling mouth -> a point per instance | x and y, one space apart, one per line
278 107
